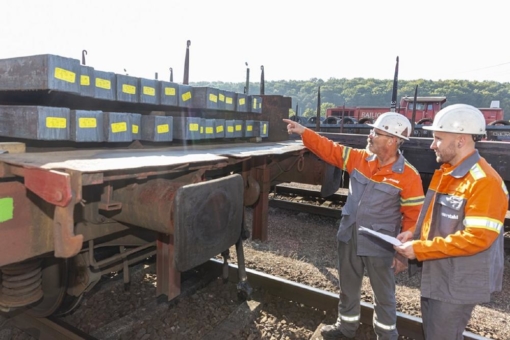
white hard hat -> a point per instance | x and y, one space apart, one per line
393 123
459 118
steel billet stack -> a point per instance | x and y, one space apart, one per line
50 97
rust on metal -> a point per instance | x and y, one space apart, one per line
52 186
107 203
66 243
25 224
15 224
169 278
251 191
148 204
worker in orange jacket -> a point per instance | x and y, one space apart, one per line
385 195
459 235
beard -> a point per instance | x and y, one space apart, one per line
447 154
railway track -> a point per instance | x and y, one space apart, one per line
47 328
311 201
308 200
230 326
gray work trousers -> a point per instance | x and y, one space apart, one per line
351 270
444 320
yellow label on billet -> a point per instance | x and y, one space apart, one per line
84 80
264 129
129 89
163 128
201 129
242 101
119 127
193 127
254 103
149 91
213 97
169 91
209 130
222 97
186 96
229 100
249 128
219 129
65 75
239 127
103 84
134 129
230 129
6 209
87 123
56 122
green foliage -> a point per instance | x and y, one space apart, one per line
374 92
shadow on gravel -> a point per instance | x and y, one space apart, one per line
309 240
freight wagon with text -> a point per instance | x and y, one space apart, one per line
421 112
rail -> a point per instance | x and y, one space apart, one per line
310 201
407 325
48 328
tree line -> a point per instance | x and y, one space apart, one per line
373 92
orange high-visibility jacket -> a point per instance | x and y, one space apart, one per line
386 199
460 232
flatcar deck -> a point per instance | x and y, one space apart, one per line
128 159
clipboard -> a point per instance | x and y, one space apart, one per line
384 237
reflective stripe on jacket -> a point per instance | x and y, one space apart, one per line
387 200
460 233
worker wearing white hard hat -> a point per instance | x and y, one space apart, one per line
385 195
459 236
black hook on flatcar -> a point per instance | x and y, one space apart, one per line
83 54
185 81
262 82
156 75
171 74
393 104
247 86
413 116
318 117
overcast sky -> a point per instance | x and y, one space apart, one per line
294 40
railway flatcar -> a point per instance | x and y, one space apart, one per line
100 170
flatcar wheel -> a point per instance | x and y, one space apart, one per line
68 304
54 286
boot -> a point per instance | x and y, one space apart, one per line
330 332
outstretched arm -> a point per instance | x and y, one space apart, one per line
293 127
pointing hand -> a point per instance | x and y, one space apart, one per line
293 127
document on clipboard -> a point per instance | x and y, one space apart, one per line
386 238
